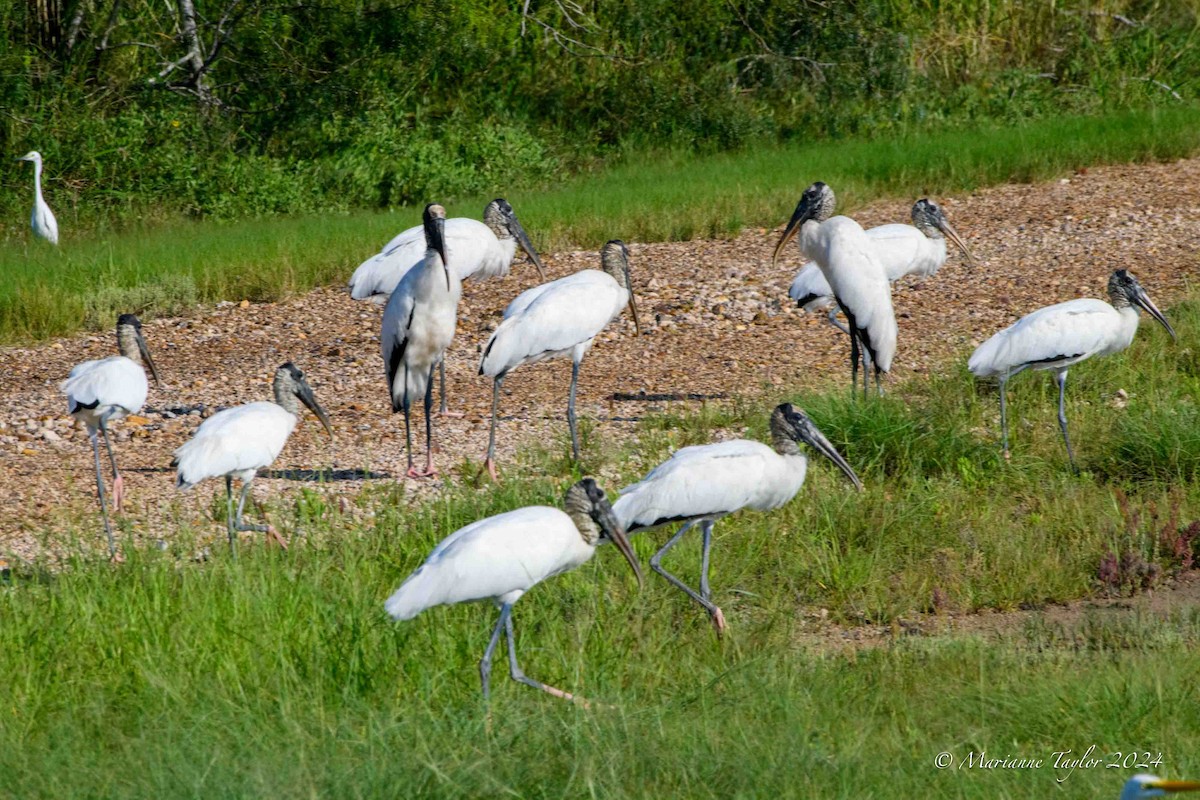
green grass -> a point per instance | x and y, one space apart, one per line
279 674
165 269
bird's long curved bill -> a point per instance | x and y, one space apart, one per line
1143 300
527 246
1174 786
306 397
145 351
951 234
799 216
817 440
637 324
616 534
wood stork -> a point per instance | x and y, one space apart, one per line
1143 787
918 249
1059 336
502 557
556 319
42 220
706 482
418 325
477 251
239 441
844 254
99 392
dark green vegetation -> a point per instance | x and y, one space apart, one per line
227 108
168 268
280 675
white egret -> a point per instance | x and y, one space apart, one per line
707 482
239 441
108 389
556 319
1059 336
42 220
918 249
418 325
1144 787
846 258
502 557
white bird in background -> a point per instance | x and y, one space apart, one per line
707 482
1143 787
918 249
43 221
477 251
556 319
1059 336
502 557
418 325
239 441
99 392
846 258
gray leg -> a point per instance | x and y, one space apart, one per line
1004 415
442 379
866 365
489 462
112 544
485 663
232 526
429 470
118 490
571 411
515 670
656 564
835 322
706 527
241 524
1061 377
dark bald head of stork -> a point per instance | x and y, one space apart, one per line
132 345
434 221
929 219
500 217
817 203
790 424
587 505
1124 290
614 259
290 385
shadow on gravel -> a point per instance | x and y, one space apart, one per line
325 475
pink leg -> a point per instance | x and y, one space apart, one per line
118 491
274 534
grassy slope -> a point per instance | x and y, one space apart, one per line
166 269
279 674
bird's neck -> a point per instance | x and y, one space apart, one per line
589 531
37 180
286 398
784 444
127 345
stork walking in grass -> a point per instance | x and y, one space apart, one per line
704 483
502 557
239 441
42 220
846 257
918 249
418 325
1144 787
108 389
558 319
1060 336
477 251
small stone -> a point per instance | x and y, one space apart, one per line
50 436
244 304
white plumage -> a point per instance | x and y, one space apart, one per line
502 557
42 219
557 319
419 322
706 482
1058 336
474 250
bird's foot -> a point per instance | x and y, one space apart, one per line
428 471
489 464
118 491
718 620
116 558
1007 454
274 534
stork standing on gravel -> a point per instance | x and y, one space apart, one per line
502 557
556 319
1060 336
918 249
99 392
477 251
239 441
846 257
707 482
418 325
42 220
